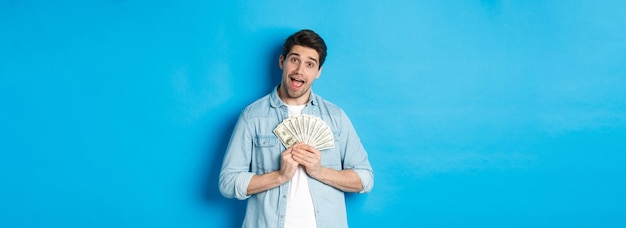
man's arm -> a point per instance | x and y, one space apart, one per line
310 158
344 180
288 166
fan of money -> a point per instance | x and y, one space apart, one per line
305 128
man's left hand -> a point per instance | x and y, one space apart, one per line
309 157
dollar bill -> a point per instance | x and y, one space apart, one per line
307 129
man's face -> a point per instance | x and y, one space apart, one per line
300 68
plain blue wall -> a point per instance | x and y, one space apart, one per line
475 113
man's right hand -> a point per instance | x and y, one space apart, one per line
270 180
288 166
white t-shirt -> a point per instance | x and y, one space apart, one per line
300 212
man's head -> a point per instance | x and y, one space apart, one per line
306 38
301 61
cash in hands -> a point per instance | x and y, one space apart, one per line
307 129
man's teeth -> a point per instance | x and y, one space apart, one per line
297 82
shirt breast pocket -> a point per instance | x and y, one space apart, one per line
267 150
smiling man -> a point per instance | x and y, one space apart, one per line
299 186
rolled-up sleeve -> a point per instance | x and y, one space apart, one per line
235 174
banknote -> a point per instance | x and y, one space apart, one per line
308 129
285 136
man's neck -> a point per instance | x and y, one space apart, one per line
293 101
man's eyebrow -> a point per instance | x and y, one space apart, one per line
311 58
296 54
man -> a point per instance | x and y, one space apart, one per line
299 186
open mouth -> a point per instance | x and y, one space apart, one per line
296 83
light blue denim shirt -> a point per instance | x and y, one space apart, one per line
255 150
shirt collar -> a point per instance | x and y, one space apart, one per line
275 100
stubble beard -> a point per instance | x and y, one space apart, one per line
288 93
296 94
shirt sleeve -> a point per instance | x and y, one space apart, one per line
355 157
235 174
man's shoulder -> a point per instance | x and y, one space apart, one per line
258 107
332 107
263 102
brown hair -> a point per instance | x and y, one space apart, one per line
307 38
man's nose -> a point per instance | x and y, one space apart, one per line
299 68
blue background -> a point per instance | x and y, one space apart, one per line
474 113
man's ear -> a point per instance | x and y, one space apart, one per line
280 61
319 72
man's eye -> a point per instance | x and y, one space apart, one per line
311 65
295 60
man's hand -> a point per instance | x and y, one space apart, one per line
288 165
309 157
